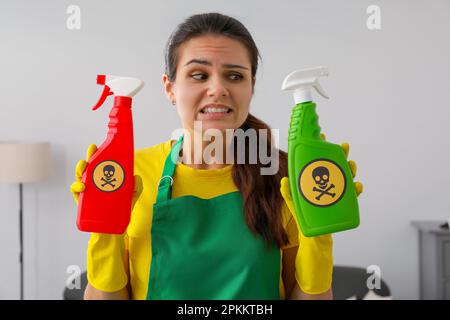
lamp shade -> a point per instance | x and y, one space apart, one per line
22 162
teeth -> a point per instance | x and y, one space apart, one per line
208 110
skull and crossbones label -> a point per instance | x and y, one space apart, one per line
108 176
322 182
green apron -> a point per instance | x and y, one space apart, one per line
203 249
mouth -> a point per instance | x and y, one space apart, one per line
215 109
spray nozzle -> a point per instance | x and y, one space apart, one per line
301 81
118 86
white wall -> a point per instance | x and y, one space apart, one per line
389 90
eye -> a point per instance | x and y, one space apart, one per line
317 178
325 177
235 77
199 76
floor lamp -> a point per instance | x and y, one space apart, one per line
23 162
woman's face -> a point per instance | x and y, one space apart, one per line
213 83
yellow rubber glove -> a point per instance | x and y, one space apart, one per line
314 261
79 186
107 265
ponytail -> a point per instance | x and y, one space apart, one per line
261 193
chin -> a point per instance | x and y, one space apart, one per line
221 128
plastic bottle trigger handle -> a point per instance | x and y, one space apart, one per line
101 79
118 86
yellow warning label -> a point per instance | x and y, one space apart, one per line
108 176
322 182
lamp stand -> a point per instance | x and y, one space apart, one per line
21 238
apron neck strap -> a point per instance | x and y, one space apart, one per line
166 181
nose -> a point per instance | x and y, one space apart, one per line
217 88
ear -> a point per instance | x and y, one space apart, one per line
253 84
168 88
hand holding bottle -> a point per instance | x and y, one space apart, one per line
77 187
321 177
106 253
314 263
286 190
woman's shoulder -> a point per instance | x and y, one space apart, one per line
155 152
149 162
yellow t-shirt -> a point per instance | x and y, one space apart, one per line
109 270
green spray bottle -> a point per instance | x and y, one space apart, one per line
320 178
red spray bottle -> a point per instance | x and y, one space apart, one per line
105 204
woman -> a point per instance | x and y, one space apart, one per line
209 229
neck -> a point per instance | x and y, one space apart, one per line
200 151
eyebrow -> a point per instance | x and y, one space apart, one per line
207 63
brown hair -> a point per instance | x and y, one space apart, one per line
261 193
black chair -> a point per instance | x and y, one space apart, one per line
348 282
76 294
351 282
